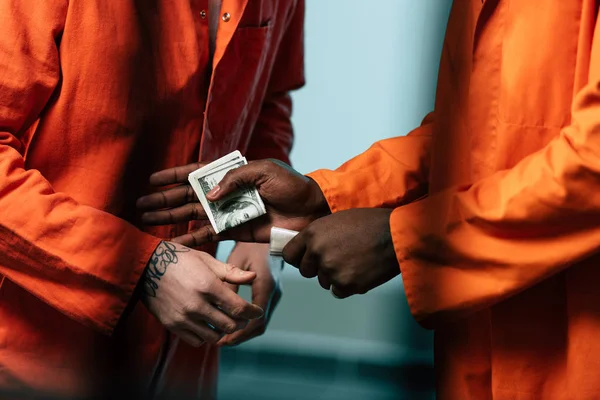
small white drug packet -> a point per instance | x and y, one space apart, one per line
279 238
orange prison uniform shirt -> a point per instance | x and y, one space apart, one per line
94 97
497 225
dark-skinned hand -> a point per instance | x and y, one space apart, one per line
351 251
292 201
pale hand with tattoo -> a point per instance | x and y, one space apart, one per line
187 291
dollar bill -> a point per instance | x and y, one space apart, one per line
236 208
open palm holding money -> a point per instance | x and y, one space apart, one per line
228 199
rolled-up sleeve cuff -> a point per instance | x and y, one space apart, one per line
403 221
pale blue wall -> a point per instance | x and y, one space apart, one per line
371 71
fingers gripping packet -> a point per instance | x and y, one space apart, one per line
236 208
279 239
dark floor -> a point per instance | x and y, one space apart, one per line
250 375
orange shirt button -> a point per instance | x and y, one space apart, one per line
226 17
203 14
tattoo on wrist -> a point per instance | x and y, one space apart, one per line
164 256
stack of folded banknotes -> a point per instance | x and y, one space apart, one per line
236 208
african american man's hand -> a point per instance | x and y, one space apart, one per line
292 201
351 251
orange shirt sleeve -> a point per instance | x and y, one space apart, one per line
468 248
273 135
82 261
390 173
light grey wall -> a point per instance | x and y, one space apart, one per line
371 69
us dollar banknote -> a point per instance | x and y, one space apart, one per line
235 209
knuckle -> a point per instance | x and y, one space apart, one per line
204 234
314 258
268 164
175 321
170 218
194 212
175 176
271 164
201 236
169 323
239 184
310 233
327 264
164 202
189 309
230 327
196 242
317 247
189 194
229 175
229 269
204 286
238 310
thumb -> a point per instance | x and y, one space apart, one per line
293 252
248 175
231 274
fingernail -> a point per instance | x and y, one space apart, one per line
214 191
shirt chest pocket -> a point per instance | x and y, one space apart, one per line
539 54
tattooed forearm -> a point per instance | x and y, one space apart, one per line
164 256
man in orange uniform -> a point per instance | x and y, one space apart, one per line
94 96
490 210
